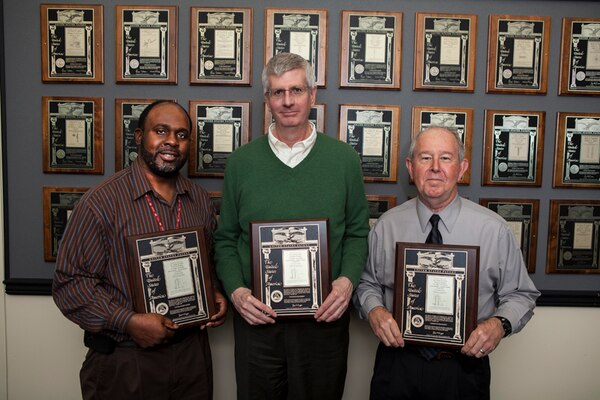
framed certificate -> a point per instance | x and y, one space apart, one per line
298 31
378 205
219 127
290 265
374 132
58 205
580 57
146 44
518 52
522 217
577 150
170 274
574 237
371 51
316 116
72 129
221 46
72 43
513 148
459 120
435 293
445 52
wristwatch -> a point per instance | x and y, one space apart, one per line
505 325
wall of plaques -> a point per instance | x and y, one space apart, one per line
518 81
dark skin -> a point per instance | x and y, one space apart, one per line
165 140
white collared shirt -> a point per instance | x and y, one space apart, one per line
292 156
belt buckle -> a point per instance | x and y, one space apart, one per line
445 355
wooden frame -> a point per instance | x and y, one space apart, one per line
225 34
573 237
208 153
513 148
576 154
518 53
379 151
522 216
379 204
72 134
445 52
457 119
69 33
58 203
577 33
316 116
301 31
371 50
146 48
216 198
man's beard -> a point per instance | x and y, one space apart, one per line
164 170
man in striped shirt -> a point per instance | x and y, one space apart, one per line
136 355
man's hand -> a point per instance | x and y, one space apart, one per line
336 302
385 327
484 339
219 318
253 310
150 329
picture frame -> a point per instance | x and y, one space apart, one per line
72 41
72 135
316 116
216 199
299 31
371 49
518 53
146 44
579 53
513 148
522 216
456 119
219 128
445 52
576 154
573 237
58 203
221 46
379 204
374 132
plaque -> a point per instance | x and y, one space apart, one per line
221 46
371 52
219 127
316 116
459 120
435 296
513 148
574 237
518 52
216 198
146 44
580 57
298 31
72 43
379 205
72 134
577 153
373 131
170 274
58 206
522 218
290 265
445 52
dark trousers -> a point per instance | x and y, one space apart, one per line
298 359
175 371
403 374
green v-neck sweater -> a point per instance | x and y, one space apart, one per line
328 183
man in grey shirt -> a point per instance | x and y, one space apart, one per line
506 293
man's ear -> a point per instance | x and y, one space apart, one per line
138 133
409 166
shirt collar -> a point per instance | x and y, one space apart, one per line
448 215
306 143
141 184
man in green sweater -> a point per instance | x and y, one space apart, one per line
292 173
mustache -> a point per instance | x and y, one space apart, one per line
168 150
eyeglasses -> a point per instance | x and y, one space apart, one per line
295 91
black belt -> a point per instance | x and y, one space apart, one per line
106 345
441 354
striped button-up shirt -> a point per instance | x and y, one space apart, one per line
91 285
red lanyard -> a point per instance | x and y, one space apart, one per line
157 218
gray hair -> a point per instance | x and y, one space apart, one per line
284 62
453 132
